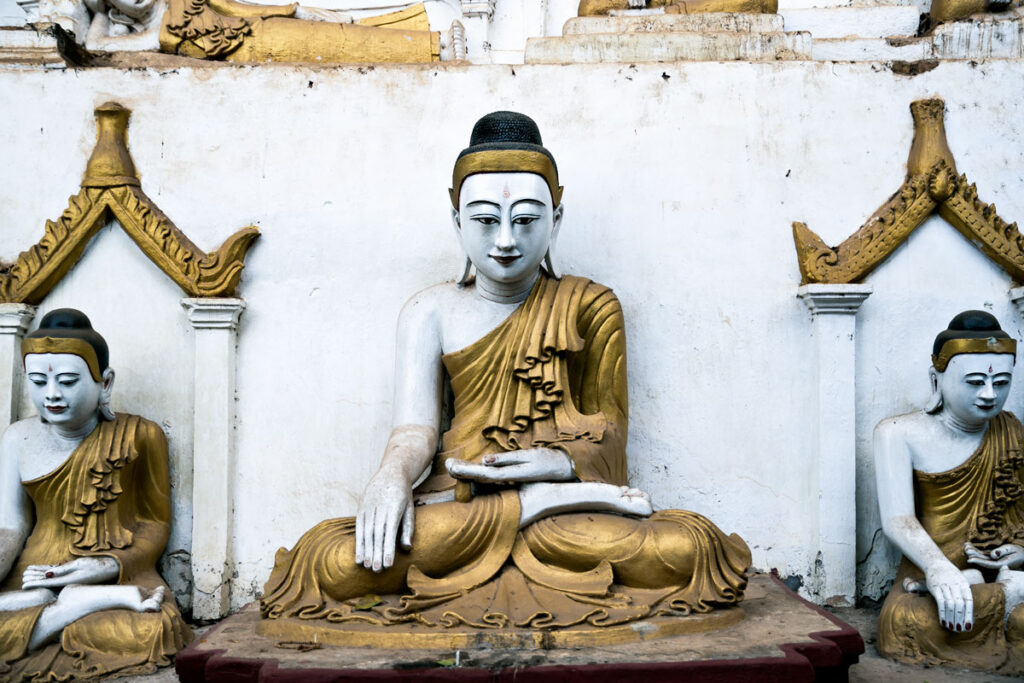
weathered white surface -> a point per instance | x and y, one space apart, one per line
662 23
12 14
14 322
682 181
878 21
833 426
981 37
215 322
870 49
668 47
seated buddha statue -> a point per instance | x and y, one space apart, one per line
522 516
84 516
594 8
951 494
246 32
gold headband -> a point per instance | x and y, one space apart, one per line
505 161
953 347
77 347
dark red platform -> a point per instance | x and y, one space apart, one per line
768 646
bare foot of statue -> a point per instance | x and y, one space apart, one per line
77 601
453 42
544 499
15 600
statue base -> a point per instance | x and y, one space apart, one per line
776 635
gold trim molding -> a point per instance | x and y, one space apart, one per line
111 187
932 185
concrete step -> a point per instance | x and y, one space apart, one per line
865 22
672 23
668 47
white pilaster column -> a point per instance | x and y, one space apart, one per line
14 322
213 452
476 19
834 324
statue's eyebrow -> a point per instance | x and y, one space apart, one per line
483 201
528 200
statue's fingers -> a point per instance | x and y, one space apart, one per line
368 522
408 524
360 527
380 519
958 610
390 535
969 611
945 606
984 562
505 459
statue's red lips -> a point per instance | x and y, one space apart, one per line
505 260
56 409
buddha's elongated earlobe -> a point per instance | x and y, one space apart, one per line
467 273
934 404
105 392
549 266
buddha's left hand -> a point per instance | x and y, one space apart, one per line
1010 556
533 464
81 570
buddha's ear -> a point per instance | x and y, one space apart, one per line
467 269
106 390
556 221
934 404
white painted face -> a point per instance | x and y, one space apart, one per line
506 223
62 389
975 385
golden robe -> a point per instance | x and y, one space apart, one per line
110 498
244 32
553 374
980 501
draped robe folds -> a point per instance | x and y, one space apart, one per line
110 498
552 375
982 502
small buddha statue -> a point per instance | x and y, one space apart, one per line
523 516
84 516
593 8
951 494
246 32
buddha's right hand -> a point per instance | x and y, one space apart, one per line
953 596
387 506
84 570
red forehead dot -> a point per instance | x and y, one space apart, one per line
506 194
50 368
990 368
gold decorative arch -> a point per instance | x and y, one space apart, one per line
932 185
111 187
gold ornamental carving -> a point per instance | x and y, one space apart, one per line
111 187
932 185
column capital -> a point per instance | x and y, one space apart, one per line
478 8
15 318
834 299
1017 297
213 313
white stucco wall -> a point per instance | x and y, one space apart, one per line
682 181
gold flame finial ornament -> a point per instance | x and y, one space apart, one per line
932 185
111 164
111 189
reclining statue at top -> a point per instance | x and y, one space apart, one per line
80 594
523 518
239 31
951 493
